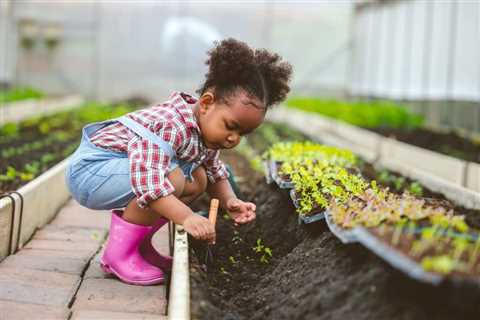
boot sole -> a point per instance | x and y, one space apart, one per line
109 270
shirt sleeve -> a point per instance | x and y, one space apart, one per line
214 167
149 165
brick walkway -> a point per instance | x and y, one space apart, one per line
57 274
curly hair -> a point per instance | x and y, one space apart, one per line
233 64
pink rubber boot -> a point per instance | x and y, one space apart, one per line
122 257
151 254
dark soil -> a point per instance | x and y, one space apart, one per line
450 143
311 275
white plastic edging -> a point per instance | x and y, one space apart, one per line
321 129
43 197
372 146
308 123
363 152
429 168
452 191
21 110
472 177
179 300
364 138
446 167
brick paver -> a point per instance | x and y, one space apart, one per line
101 315
35 286
70 233
49 261
114 295
10 310
57 274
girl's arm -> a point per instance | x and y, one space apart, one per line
175 210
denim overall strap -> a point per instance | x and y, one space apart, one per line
147 134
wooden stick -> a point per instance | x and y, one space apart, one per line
212 214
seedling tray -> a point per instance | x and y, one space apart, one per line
268 175
306 219
396 259
281 182
344 235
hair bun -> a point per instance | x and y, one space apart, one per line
233 64
228 61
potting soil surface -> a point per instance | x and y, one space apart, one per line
311 275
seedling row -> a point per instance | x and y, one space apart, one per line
426 238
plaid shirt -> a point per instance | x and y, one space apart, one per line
175 123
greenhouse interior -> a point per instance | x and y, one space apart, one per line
273 159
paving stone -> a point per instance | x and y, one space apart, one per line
83 255
94 270
108 315
114 295
11 310
35 259
72 214
70 233
62 245
58 253
38 287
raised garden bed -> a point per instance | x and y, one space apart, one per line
394 121
32 182
449 143
20 110
19 94
33 146
310 274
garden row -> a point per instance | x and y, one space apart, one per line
393 120
276 268
423 237
457 179
20 93
32 183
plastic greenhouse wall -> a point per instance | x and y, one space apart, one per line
418 50
108 50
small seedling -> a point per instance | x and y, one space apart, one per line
442 264
223 271
416 189
266 252
236 237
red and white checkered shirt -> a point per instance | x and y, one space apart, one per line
175 123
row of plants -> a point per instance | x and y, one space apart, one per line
18 94
367 114
393 120
31 147
426 231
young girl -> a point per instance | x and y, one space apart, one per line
154 162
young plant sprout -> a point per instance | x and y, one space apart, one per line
295 151
319 182
265 252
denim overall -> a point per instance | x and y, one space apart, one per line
100 179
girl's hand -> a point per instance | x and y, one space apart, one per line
241 211
199 227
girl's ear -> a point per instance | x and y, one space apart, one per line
206 101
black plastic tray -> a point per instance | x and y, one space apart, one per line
266 170
306 219
282 183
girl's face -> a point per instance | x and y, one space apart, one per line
223 123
